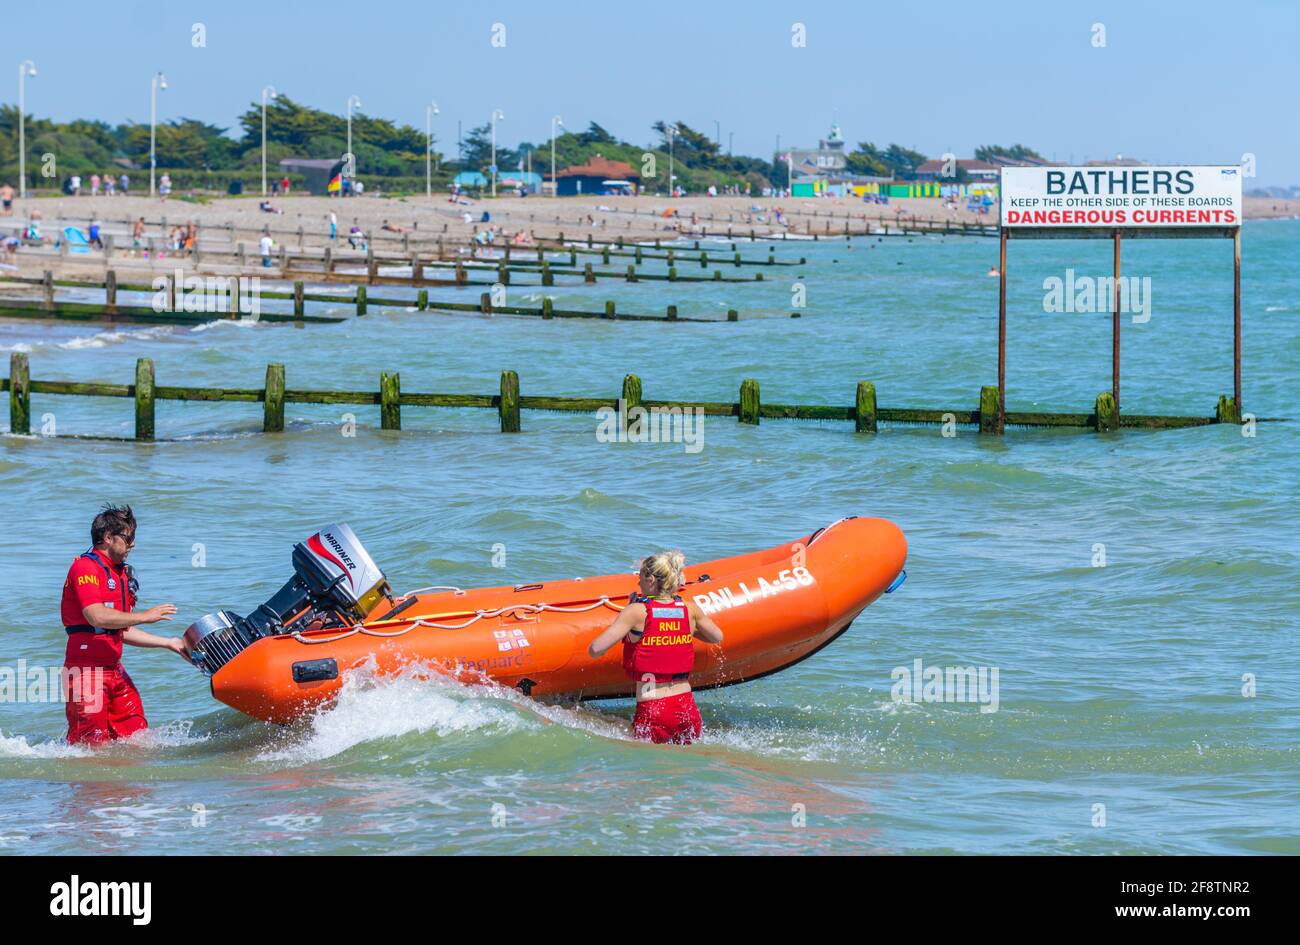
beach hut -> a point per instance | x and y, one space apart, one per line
808 187
316 173
600 175
471 180
527 181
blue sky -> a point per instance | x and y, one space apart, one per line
1190 81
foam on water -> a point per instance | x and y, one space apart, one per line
17 746
370 707
119 336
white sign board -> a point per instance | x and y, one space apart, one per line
1194 196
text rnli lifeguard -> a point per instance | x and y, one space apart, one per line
726 598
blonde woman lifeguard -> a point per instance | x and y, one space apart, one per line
659 630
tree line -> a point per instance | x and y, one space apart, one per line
385 149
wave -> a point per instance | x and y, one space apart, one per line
17 746
415 701
117 336
101 339
228 322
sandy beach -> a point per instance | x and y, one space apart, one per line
413 220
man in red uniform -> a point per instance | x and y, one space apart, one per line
99 598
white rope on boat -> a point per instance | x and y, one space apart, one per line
478 615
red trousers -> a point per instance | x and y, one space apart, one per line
673 719
102 704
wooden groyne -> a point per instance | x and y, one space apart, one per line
447 248
327 266
509 401
232 297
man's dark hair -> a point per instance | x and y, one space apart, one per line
113 520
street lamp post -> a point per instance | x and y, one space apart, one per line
497 114
25 68
671 190
159 81
267 91
351 169
429 111
556 122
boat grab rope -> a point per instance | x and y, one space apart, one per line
477 616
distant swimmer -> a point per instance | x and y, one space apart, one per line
993 271
99 615
659 630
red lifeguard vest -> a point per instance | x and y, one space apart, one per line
666 648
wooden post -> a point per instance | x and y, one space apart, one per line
422 300
631 273
485 303
609 308
631 392
732 315
548 307
1106 413
20 395
48 287
273 400
239 251
110 291
372 265
173 290
1002 338
672 313
1226 411
1114 333
460 272
299 304
638 254
361 300
704 260
1236 322
749 401
508 405
992 416
672 273
548 277
503 274
144 415
390 401
329 259
417 269
864 414
588 276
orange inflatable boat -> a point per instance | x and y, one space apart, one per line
775 608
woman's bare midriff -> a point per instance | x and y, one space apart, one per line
645 692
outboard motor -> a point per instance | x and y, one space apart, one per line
335 584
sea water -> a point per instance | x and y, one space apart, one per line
1134 593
